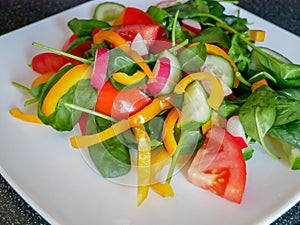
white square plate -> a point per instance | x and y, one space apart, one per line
55 180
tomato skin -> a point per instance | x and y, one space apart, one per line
120 104
65 46
79 50
133 15
219 166
47 62
148 32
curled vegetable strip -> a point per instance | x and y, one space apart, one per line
168 131
115 39
143 163
32 118
125 79
136 120
217 94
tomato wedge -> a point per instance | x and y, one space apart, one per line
148 32
47 62
219 166
120 104
132 15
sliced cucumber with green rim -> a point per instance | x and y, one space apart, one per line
108 11
220 67
195 109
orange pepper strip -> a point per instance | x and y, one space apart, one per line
119 20
32 118
117 40
144 163
70 78
141 117
257 35
206 127
161 160
259 83
125 79
41 79
168 131
217 94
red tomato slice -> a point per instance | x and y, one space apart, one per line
68 42
120 104
149 32
133 15
219 166
47 62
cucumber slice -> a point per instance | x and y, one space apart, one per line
108 11
195 109
220 67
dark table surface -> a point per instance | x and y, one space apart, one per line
18 13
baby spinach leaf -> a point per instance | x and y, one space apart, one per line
196 56
213 35
258 114
288 132
292 93
111 157
287 110
287 74
85 27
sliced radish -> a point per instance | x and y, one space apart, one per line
139 45
161 71
167 72
192 25
82 123
235 128
100 68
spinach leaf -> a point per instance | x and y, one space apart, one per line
292 93
258 115
81 27
78 42
287 110
213 35
193 58
288 132
286 74
64 118
111 157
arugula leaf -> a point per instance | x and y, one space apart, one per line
111 157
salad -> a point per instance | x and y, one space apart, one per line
181 84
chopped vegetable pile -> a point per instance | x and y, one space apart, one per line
179 83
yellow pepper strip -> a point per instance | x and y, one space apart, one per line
259 83
216 95
161 160
117 40
168 131
141 117
125 79
143 163
257 35
41 79
32 118
70 78
206 127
